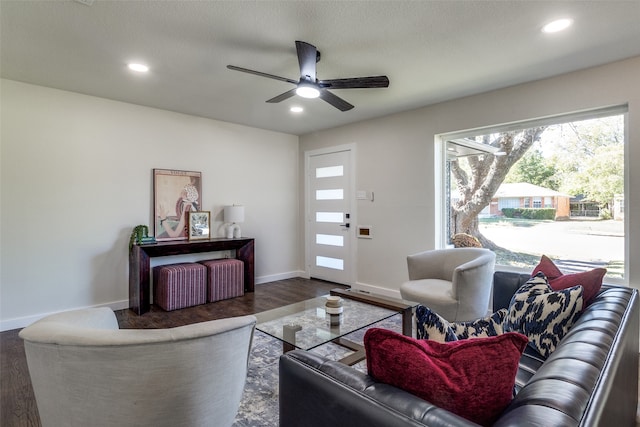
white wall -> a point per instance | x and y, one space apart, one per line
395 159
77 176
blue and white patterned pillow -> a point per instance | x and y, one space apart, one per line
542 314
432 326
490 326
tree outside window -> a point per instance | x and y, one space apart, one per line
583 160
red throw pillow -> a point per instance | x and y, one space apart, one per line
472 378
591 281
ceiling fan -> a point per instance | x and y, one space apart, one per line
310 87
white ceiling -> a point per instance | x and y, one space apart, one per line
431 51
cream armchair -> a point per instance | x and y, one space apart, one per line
455 283
87 372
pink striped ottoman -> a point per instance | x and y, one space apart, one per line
226 278
179 285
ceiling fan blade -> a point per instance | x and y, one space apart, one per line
260 73
288 94
307 58
334 100
355 83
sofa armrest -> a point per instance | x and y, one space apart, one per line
322 393
591 379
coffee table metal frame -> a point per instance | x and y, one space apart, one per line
306 325
403 307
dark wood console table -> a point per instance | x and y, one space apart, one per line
140 264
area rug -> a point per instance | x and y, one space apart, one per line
259 405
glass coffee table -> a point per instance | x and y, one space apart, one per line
306 325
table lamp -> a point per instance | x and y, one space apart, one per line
234 214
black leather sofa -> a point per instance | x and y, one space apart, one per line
591 379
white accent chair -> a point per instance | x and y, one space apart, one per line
455 283
86 371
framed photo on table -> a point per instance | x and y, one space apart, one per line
199 225
175 194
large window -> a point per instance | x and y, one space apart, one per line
547 187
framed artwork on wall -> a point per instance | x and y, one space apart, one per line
199 225
175 194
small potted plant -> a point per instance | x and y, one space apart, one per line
140 236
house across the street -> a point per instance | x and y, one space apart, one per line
525 195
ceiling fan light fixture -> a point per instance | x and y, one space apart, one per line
310 87
307 90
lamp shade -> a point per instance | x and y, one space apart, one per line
234 213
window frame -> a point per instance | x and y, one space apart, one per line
441 170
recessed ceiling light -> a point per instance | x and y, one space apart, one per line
296 109
557 25
141 68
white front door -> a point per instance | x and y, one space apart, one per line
330 230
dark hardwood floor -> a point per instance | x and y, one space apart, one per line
17 402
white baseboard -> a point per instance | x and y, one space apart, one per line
373 289
279 276
21 322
